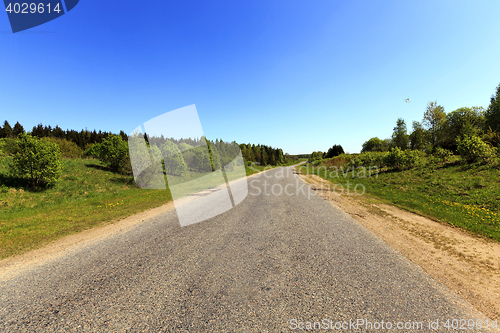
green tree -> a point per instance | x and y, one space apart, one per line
67 148
114 152
146 162
335 150
18 129
7 130
315 156
264 155
92 150
215 158
173 159
493 112
434 118
37 160
461 123
57 132
473 149
374 144
400 136
418 136
279 156
492 137
401 159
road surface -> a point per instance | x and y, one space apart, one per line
277 262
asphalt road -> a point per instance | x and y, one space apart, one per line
271 264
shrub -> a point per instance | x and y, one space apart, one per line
342 159
473 149
114 152
369 159
394 158
92 150
38 160
317 162
68 148
401 160
379 159
411 158
443 154
317 155
7 146
174 161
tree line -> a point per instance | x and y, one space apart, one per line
37 155
473 133
333 151
441 130
82 138
266 155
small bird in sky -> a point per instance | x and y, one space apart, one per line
407 100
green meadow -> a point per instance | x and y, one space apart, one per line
463 195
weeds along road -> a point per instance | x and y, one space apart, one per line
274 263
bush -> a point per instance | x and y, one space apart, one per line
93 150
317 162
369 159
38 160
401 160
7 146
317 155
394 158
174 160
411 158
341 160
114 152
68 148
472 149
443 154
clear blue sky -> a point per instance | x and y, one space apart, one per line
299 75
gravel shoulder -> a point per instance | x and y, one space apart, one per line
467 264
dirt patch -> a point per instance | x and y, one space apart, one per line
13 266
468 265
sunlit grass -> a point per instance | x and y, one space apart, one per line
467 196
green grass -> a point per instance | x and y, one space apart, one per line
467 196
251 170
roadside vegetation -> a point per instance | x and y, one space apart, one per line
54 183
447 168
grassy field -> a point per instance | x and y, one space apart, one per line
87 195
467 196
